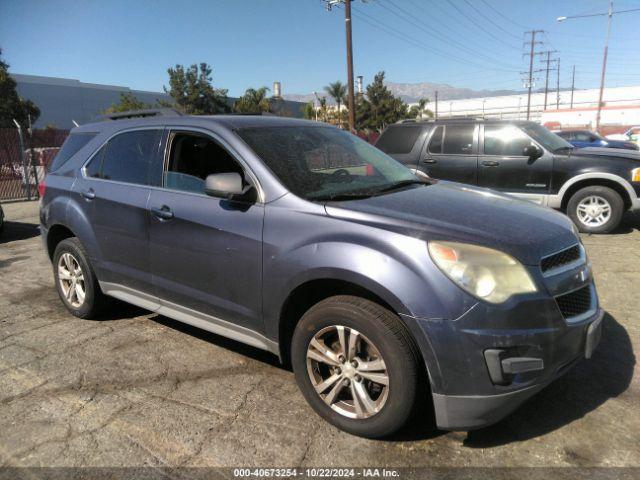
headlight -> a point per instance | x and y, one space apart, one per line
485 273
635 175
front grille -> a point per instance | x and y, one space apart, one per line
575 303
559 259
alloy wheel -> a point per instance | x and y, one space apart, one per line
594 211
348 372
71 279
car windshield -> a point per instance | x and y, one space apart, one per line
544 137
325 163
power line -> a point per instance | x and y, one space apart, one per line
503 15
408 17
480 26
417 43
488 19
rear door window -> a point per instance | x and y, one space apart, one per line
435 144
70 147
127 157
399 139
458 140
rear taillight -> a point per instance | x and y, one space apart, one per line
42 186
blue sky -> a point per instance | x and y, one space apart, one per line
465 43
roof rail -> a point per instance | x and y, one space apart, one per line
151 112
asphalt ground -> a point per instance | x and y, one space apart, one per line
135 389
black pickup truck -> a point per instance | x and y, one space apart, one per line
594 186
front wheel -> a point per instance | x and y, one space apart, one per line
596 209
356 365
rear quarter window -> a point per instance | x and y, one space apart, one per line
70 147
399 139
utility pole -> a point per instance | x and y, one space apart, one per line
548 62
609 14
351 104
531 54
604 65
436 113
558 87
573 84
351 99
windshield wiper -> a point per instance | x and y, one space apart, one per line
398 185
340 196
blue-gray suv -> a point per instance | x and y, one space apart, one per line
301 239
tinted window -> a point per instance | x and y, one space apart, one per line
458 139
128 155
544 137
325 163
192 158
399 139
435 144
94 167
505 140
70 147
584 137
565 135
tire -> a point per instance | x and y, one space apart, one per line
580 210
1 219
374 326
75 256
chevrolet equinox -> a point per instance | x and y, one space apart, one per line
303 240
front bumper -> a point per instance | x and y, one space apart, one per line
468 412
488 361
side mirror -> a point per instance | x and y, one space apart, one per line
225 185
532 151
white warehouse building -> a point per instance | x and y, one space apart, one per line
621 106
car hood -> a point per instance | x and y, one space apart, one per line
606 152
452 211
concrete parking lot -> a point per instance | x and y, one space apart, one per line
138 389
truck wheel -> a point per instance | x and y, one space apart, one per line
75 280
596 209
356 365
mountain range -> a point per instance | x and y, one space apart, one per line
412 92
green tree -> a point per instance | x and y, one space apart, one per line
253 101
11 105
193 93
128 102
324 110
422 103
380 107
337 91
309 111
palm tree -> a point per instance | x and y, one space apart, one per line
323 107
253 101
337 91
421 104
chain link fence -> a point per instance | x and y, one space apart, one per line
24 158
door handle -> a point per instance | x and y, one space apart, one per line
429 160
490 163
89 194
163 213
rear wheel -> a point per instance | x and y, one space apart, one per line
596 209
356 365
75 280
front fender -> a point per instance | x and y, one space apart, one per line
404 278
